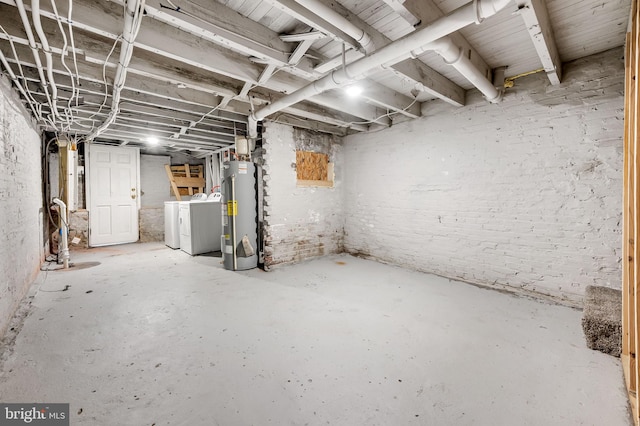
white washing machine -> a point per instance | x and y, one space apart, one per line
200 225
172 224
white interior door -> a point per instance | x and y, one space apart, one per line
113 177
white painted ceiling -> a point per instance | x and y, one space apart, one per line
200 66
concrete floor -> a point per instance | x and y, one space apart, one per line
146 335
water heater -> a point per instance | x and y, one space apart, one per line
239 216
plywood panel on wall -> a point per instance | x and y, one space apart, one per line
311 165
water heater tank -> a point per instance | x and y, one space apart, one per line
240 216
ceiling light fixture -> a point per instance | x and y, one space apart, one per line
353 90
152 140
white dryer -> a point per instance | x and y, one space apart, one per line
200 225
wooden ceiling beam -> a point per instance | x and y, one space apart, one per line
536 18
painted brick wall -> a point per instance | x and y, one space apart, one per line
20 203
300 222
526 193
154 184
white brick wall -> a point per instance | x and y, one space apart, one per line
300 222
20 203
526 193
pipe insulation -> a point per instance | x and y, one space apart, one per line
409 46
132 21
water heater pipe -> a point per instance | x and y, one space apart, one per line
406 47
233 220
65 232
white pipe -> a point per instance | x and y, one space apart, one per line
132 21
445 47
34 51
64 248
37 23
406 47
330 15
454 56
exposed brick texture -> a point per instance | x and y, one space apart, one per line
300 222
151 224
20 202
524 194
79 227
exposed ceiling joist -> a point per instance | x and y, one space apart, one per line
141 90
129 136
224 26
155 90
301 13
415 78
395 101
400 8
327 119
426 11
308 124
267 77
416 74
155 104
200 67
196 57
85 121
536 18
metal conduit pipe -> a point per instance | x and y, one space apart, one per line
132 22
34 51
37 23
454 56
409 46
330 15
